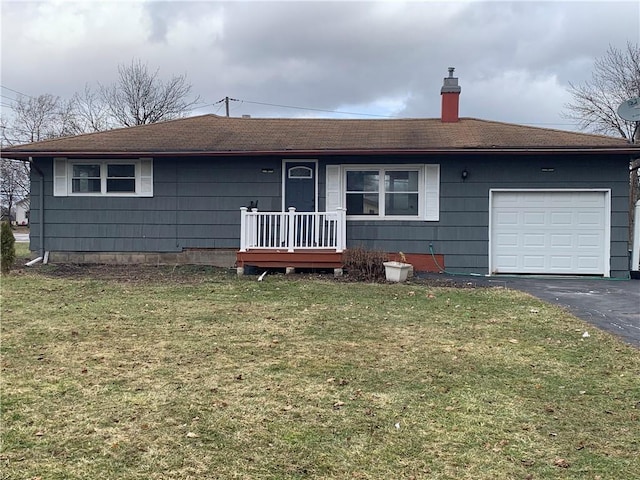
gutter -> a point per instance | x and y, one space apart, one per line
23 155
40 206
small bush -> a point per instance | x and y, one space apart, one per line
364 265
8 248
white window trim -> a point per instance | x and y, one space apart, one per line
428 189
63 177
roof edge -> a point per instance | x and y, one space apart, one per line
26 155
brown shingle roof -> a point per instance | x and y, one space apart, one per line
211 134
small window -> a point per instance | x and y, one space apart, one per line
125 178
300 172
362 193
121 178
401 193
86 179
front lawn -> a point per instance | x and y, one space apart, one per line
194 373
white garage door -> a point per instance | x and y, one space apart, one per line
549 232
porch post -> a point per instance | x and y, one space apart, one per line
243 229
291 220
341 234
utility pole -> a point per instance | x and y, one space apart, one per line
226 104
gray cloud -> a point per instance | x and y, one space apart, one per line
514 59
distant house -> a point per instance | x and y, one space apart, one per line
22 212
461 194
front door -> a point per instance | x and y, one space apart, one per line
300 186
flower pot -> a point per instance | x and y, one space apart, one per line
396 271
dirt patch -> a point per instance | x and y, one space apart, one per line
199 273
133 273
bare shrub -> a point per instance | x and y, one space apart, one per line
364 265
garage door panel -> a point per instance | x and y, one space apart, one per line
533 262
507 262
590 219
588 263
507 240
560 262
533 240
588 199
586 240
506 218
533 218
561 218
556 232
557 240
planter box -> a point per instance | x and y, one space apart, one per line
396 271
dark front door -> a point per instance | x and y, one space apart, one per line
300 186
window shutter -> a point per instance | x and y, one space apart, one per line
432 192
60 180
146 177
333 190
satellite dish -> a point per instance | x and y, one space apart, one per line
630 110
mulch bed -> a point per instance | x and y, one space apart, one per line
199 273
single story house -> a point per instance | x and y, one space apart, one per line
22 211
461 194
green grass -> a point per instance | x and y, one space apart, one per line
22 251
193 373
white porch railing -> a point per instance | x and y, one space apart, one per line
292 230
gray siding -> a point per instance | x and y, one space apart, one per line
462 233
196 204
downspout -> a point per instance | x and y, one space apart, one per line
40 206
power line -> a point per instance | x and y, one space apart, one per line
228 99
316 109
224 100
16 91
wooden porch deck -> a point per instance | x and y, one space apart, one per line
320 259
282 258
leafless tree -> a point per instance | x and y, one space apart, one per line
14 184
140 97
33 119
615 79
37 118
89 113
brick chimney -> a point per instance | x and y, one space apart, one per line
450 92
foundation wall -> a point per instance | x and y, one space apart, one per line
214 258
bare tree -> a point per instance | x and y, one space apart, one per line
615 78
33 119
14 184
89 112
139 96
37 118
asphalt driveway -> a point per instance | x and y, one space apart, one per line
611 305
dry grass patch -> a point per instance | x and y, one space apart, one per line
193 373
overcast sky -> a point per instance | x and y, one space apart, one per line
514 60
